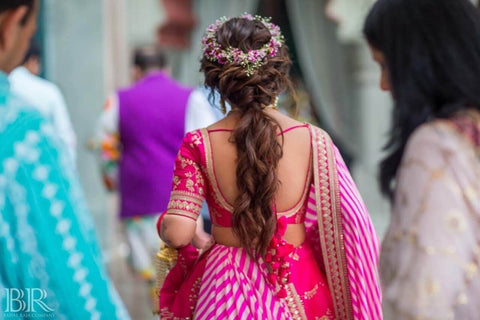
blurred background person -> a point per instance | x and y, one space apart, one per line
26 82
429 54
139 133
47 239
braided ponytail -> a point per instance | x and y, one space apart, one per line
255 134
259 152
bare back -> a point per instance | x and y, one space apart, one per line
294 171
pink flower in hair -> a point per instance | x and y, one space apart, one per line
250 60
247 16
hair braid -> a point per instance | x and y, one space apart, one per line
255 135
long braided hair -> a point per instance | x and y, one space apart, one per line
255 134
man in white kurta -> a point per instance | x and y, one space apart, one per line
47 98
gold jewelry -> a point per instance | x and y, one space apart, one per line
223 107
275 102
165 260
274 105
271 107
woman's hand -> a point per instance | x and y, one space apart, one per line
202 240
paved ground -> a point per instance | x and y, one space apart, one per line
132 289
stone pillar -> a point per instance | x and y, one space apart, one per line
374 106
374 122
116 53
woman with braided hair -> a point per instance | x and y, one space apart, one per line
291 236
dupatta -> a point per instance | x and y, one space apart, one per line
341 234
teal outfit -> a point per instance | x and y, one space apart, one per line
47 237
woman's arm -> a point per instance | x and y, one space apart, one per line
178 225
177 231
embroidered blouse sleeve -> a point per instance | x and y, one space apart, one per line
428 256
188 187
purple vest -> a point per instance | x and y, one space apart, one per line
152 124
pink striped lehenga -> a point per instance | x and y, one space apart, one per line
332 275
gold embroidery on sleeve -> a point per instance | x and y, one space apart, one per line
185 203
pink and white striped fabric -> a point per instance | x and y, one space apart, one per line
361 248
360 242
235 287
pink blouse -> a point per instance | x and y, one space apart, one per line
195 181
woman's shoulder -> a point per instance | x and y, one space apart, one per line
220 124
317 129
438 134
434 141
319 133
194 141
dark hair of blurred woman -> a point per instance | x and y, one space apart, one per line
429 52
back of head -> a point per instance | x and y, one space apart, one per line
432 53
149 58
8 5
247 62
17 25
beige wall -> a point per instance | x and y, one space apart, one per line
128 24
143 18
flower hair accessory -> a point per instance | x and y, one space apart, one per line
250 60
